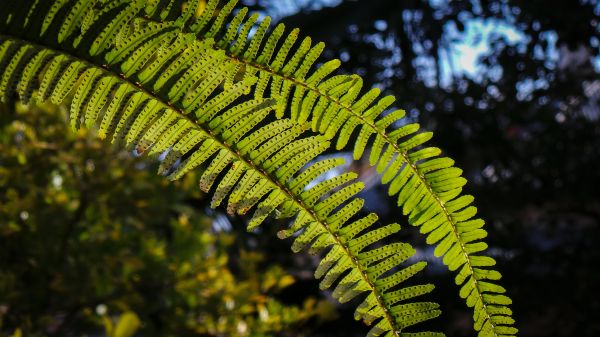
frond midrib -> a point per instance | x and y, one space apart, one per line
299 202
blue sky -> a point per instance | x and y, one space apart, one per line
469 45
472 43
464 48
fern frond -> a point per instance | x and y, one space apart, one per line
428 187
154 98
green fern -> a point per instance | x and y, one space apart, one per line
150 99
428 187
155 77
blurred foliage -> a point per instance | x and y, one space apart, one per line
95 243
126 326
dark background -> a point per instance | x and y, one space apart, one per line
511 90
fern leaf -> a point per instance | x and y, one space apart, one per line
171 86
66 82
14 68
74 18
130 97
335 108
110 31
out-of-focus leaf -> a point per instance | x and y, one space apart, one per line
127 326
